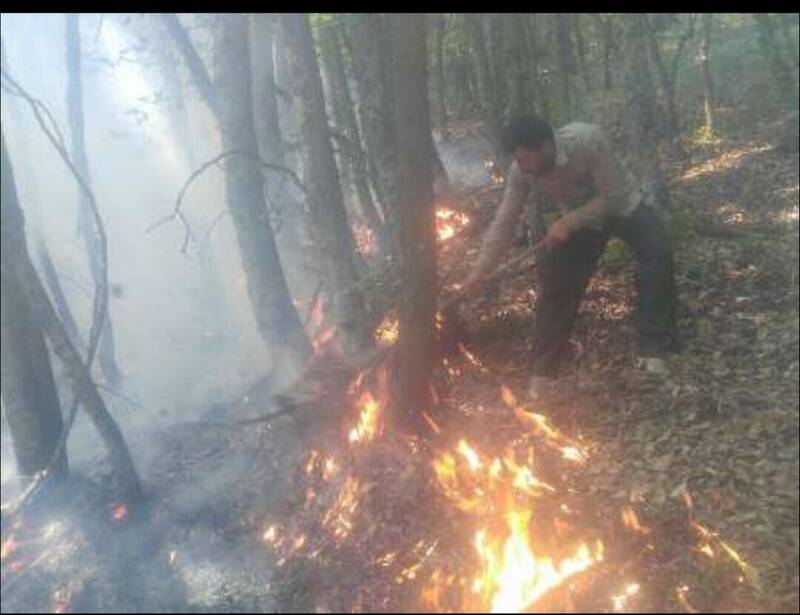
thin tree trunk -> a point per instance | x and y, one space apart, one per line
74 97
780 69
416 358
576 27
490 104
354 157
440 80
193 61
708 83
289 220
785 22
640 112
20 268
666 83
30 398
332 232
494 24
566 65
276 317
230 100
519 70
372 70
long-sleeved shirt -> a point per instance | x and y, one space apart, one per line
585 169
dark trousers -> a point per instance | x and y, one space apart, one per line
565 270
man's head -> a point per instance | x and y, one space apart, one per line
529 139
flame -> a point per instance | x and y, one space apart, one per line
322 341
449 222
631 521
339 517
388 331
368 421
620 600
513 576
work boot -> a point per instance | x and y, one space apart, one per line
655 366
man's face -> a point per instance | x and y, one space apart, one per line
535 162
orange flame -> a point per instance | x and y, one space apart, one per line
368 421
449 222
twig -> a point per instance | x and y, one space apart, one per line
177 213
100 304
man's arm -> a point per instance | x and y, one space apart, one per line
501 231
609 185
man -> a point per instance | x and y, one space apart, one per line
575 167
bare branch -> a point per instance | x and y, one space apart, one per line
177 213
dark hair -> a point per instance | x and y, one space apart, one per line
528 131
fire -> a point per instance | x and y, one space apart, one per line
630 520
339 517
513 576
620 600
388 331
449 222
368 421
512 573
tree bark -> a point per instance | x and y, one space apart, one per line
576 27
276 317
332 232
416 344
290 222
193 61
494 24
372 69
566 66
780 69
74 98
519 69
441 100
331 51
640 113
18 267
490 104
30 398
705 62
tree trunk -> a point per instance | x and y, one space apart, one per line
230 100
86 227
290 222
494 24
519 70
666 83
333 235
30 399
576 27
416 344
490 105
372 72
708 84
343 109
541 96
18 268
605 27
785 21
780 69
640 112
440 80
566 66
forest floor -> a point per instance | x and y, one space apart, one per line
719 435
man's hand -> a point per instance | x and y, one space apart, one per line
557 234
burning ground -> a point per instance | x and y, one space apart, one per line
627 495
